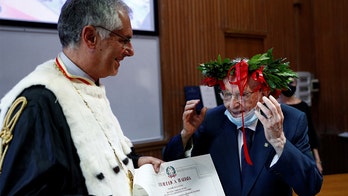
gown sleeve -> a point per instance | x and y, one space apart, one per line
41 158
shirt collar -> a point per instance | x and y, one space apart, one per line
72 68
251 127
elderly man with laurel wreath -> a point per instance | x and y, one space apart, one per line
258 146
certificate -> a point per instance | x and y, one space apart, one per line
188 176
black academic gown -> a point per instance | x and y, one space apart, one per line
42 158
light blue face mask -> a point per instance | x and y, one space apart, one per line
249 118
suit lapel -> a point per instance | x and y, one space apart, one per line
231 147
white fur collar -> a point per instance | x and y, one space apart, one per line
94 128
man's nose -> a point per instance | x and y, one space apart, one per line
129 50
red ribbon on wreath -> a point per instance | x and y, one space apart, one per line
241 71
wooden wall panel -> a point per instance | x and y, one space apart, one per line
244 16
304 46
331 44
189 34
243 45
281 29
330 106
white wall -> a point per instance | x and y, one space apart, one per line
134 94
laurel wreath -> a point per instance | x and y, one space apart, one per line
276 73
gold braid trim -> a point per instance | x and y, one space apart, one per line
9 123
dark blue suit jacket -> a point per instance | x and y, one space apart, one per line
295 168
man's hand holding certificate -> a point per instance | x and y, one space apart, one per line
189 176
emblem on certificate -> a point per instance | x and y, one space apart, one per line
170 170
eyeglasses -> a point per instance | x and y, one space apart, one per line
227 96
124 41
